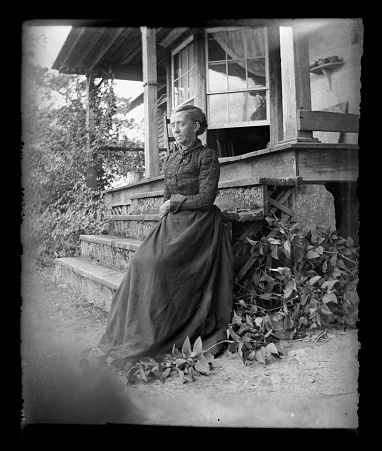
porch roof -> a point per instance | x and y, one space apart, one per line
100 48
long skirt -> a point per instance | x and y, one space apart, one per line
179 284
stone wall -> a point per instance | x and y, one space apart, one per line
314 207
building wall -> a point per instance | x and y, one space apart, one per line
342 38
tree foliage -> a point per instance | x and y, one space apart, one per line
57 154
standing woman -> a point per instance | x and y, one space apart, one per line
180 280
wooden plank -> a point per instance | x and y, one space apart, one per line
295 84
281 206
150 102
328 122
174 34
114 34
275 91
328 165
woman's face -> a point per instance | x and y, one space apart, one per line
183 129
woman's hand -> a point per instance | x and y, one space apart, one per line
164 208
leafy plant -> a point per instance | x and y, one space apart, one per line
187 362
294 283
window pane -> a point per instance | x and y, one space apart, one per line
235 45
191 61
236 75
256 73
216 45
257 106
237 107
218 109
217 77
183 60
176 93
176 66
183 83
255 42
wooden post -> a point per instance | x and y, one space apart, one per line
91 173
150 85
275 92
295 81
199 78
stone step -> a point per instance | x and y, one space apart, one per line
112 251
135 227
95 282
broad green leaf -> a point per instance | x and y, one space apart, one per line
186 348
266 296
258 320
201 368
181 377
166 372
288 290
237 319
274 252
325 310
280 348
159 372
175 352
251 355
287 246
352 296
325 266
314 279
234 335
260 355
312 254
333 297
273 241
198 346
319 250
271 347
333 260
143 375
303 298
326 299
349 242
248 320
233 346
253 243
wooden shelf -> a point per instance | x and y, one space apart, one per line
328 66
326 69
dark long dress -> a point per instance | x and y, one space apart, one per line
179 282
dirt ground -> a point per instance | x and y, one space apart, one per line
314 386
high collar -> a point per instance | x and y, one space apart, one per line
197 144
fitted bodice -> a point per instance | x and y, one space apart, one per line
192 177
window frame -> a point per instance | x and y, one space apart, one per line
175 51
229 91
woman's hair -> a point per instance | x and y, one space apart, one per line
196 115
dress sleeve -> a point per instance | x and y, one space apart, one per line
166 191
208 185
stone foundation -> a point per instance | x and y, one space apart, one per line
314 207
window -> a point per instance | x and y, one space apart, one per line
237 80
183 63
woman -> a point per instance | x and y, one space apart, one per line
179 282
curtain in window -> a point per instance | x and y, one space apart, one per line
233 44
